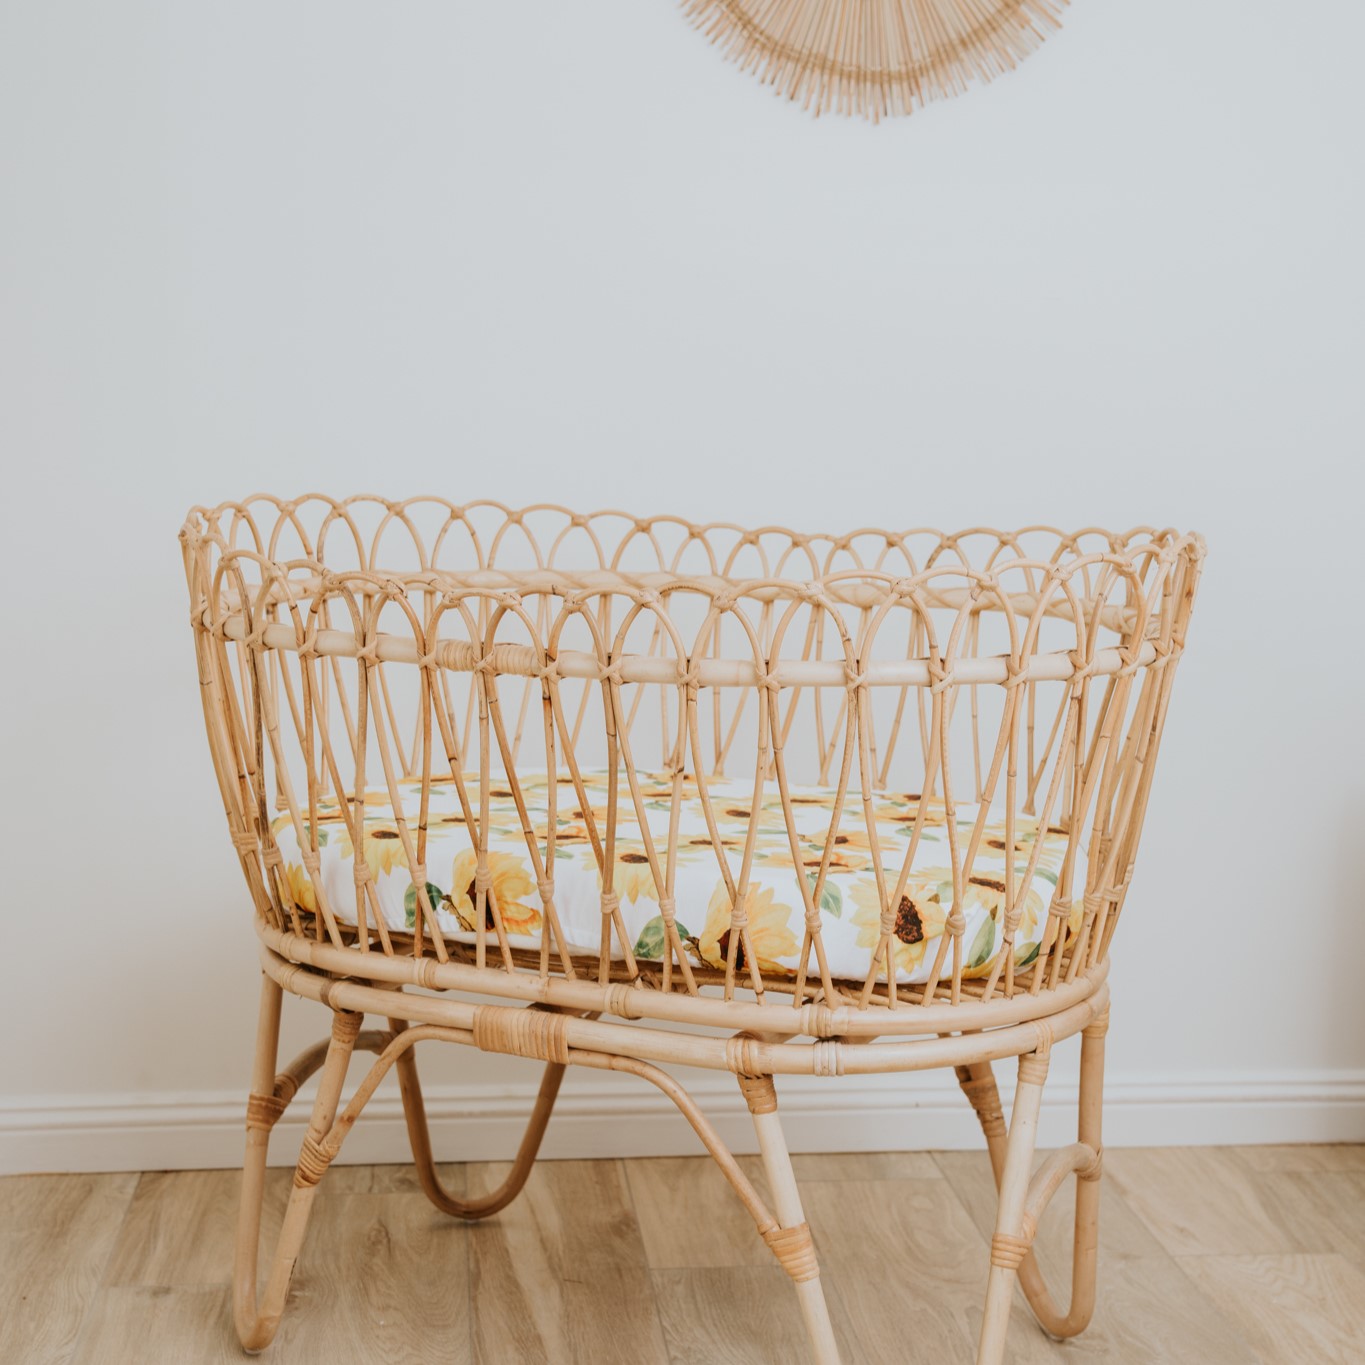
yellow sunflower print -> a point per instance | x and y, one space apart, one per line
852 849
902 808
1049 856
512 886
382 848
920 916
300 887
986 890
634 880
769 930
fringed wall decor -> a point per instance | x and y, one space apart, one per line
875 58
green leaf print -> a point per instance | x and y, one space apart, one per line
831 898
650 944
434 894
983 945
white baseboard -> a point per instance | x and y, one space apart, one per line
596 1116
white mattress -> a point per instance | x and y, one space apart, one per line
850 905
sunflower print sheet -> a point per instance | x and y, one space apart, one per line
850 903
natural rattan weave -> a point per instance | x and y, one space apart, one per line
357 655
875 58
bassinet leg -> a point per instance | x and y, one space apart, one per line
419 1136
790 1241
1088 1164
1087 1234
1010 1244
978 1083
257 1322
977 1080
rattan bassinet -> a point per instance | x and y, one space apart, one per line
864 803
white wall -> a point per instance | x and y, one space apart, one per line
564 252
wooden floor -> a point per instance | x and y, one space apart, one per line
1209 1255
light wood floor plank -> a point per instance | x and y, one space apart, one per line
388 1270
56 1236
560 1274
1121 1231
730 1315
401 1178
1293 1308
654 1261
1199 1201
865 1166
919 1232
1143 1298
1326 1209
181 1226
920 1224
900 1319
156 1324
1306 1157
52 1201
689 1215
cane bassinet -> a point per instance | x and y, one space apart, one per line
822 805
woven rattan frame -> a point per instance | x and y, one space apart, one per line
356 643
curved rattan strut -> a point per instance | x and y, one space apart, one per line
816 792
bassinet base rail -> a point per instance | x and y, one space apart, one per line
562 1038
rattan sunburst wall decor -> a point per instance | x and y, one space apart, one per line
875 58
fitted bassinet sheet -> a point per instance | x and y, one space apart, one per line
850 906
